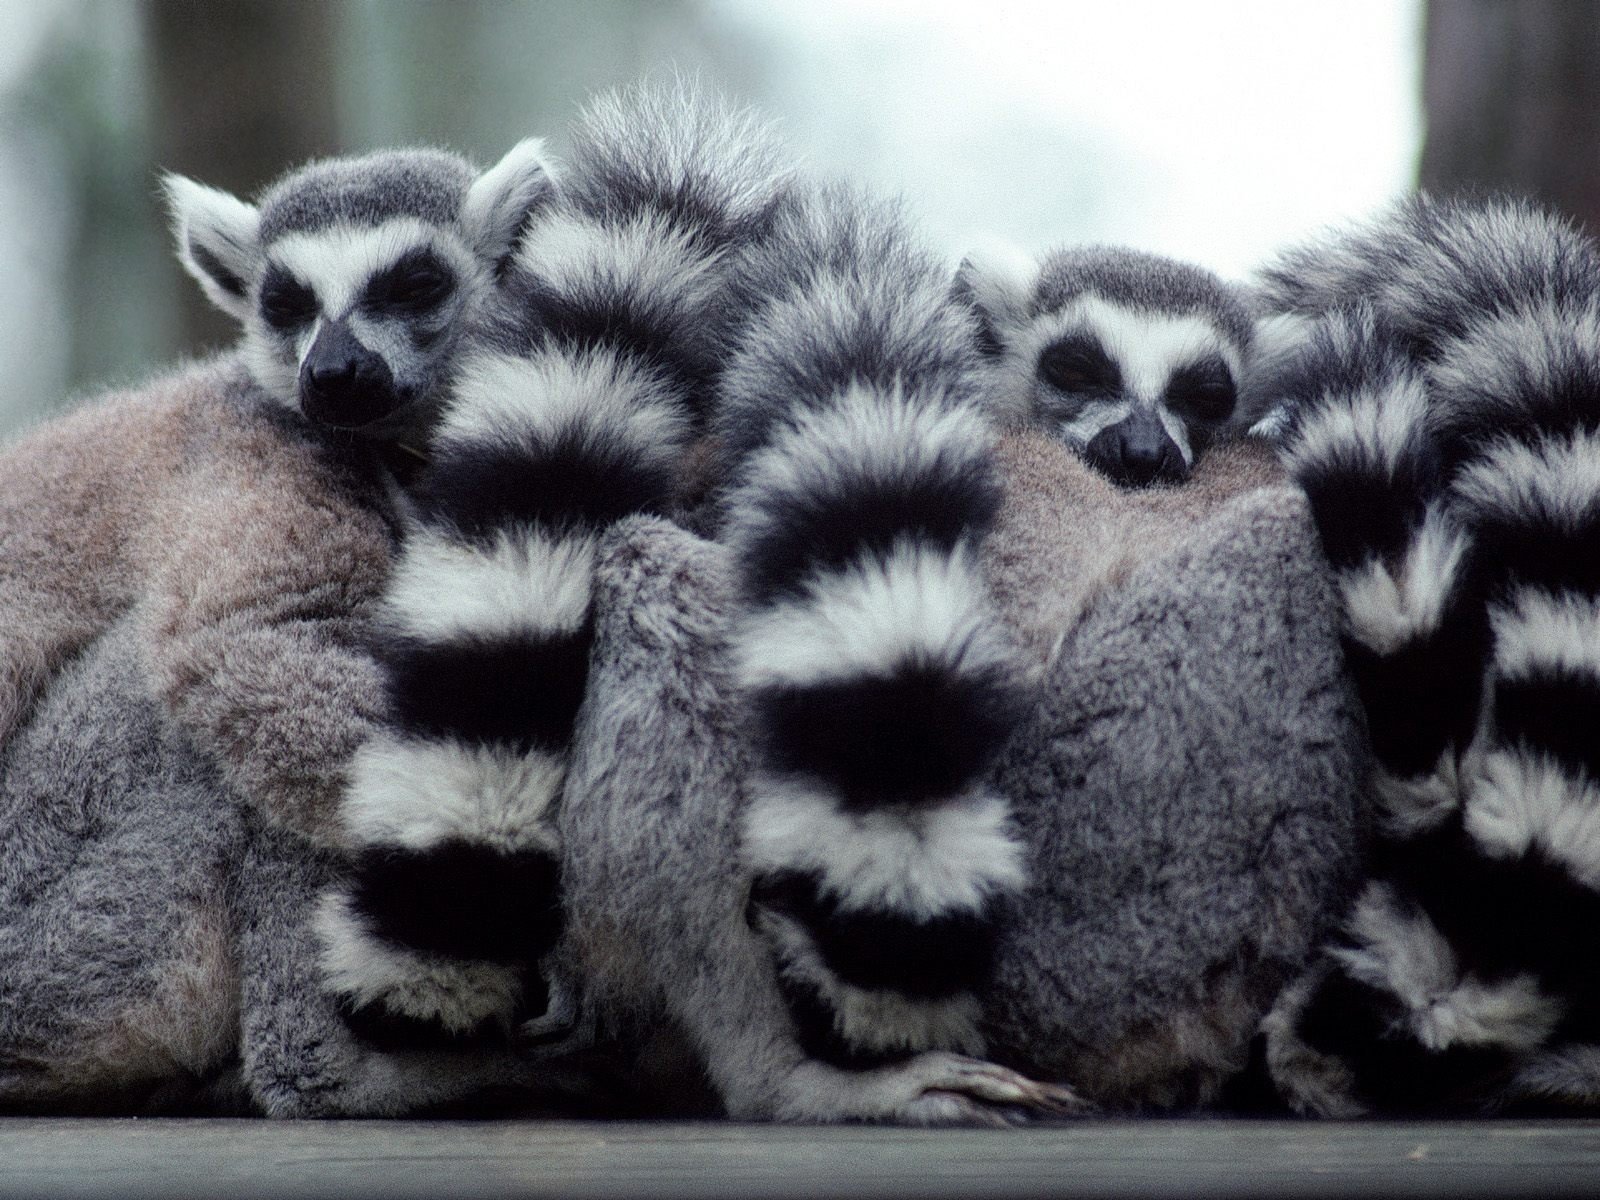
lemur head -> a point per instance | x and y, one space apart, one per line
1132 358
355 279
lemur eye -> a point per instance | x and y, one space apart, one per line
1204 390
286 303
416 283
1079 364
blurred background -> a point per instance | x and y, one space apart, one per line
1212 130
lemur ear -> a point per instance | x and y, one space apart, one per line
218 242
995 281
501 200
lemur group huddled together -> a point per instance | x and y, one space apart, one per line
357 585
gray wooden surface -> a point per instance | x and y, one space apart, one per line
179 1158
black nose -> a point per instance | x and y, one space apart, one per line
1136 452
343 384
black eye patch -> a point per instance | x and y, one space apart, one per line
1079 365
1204 390
286 303
415 283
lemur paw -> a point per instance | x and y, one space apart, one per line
565 1026
930 1089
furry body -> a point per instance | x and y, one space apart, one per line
1164 905
231 521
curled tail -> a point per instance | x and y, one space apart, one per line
575 412
1366 448
879 687
1463 962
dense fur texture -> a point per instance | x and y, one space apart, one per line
880 690
1165 903
1132 359
1444 432
235 541
576 410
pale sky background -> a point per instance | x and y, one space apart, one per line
1214 131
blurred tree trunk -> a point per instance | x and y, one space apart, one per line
242 90
1511 90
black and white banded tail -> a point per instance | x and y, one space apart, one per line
575 412
1463 977
880 688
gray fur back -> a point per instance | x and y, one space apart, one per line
1186 790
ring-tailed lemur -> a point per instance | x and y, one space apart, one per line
680 225
1444 416
1133 359
861 487
187 571
242 524
577 410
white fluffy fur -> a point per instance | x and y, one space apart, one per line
645 256
876 1020
1380 426
1557 479
871 617
1401 951
414 793
501 396
1530 351
1385 607
1521 801
949 858
1537 631
366 969
524 582
863 432
1407 807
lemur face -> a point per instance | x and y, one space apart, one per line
359 324
356 280
1131 359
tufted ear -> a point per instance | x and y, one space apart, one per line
217 240
995 281
504 198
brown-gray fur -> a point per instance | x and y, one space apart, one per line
1187 785
241 545
1186 790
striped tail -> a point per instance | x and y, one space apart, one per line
1367 447
1467 954
576 412
1526 385
880 690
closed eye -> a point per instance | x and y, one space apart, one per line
416 283
1204 390
1079 365
286 303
